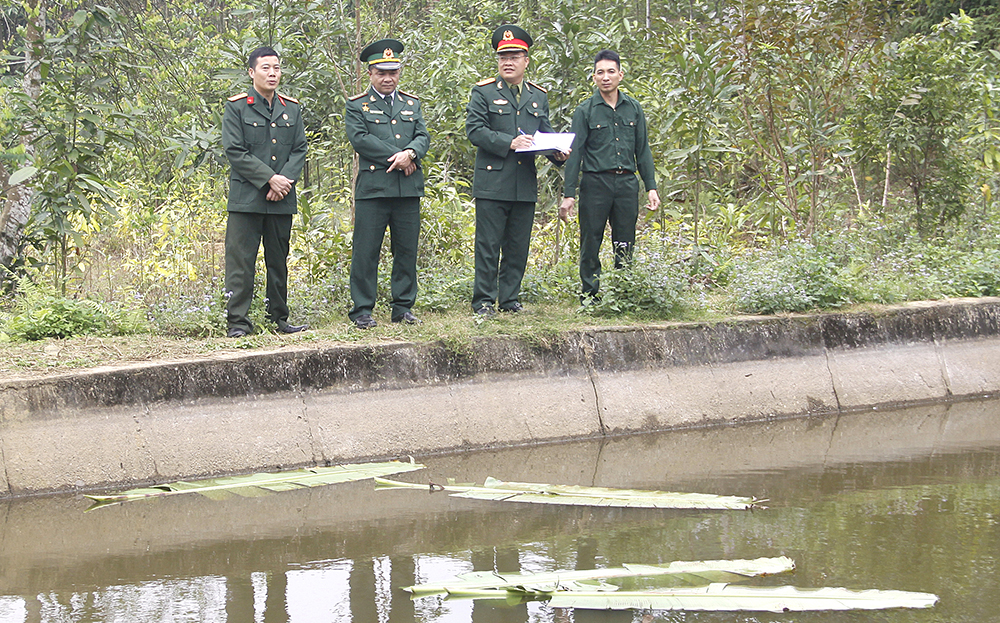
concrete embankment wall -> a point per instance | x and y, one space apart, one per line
263 411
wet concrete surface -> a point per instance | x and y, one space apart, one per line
267 411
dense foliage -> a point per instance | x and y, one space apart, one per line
811 153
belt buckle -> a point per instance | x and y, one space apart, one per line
619 171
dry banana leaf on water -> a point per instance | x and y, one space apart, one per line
576 495
695 573
255 485
723 597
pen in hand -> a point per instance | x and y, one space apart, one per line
522 143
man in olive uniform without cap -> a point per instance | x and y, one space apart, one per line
503 114
265 142
386 128
611 144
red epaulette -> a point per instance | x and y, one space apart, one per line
237 98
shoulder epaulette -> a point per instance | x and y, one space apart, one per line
485 81
288 97
405 94
358 96
536 86
237 98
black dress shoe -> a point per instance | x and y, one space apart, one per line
292 328
408 318
486 311
365 321
237 332
515 308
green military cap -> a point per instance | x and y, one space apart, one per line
382 54
511 37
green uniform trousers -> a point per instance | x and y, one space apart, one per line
606 197
503 235
244 233
371 217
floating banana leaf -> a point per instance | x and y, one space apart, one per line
700 573
723 597
575 495
255 485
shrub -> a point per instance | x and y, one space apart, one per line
41 313
795 276
653 285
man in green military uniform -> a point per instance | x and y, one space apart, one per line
265 142
503 114
611 144
387 129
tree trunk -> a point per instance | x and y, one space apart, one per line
17 202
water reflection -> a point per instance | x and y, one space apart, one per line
905 500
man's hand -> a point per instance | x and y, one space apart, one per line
280 186
522 141
561 156
566 209
654 201
401 160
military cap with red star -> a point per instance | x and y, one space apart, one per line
511 38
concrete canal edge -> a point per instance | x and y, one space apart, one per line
275 410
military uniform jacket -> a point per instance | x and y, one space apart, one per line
608 139
492 122
260 143
377 132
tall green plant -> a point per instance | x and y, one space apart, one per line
703 93
796 62
72 124
910 117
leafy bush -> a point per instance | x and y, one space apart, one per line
41 313
651 286
795 276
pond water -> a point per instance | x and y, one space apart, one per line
904 500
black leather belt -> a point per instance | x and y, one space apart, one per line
618 171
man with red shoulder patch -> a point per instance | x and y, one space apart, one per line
265 141
503 114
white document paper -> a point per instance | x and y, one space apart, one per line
550 142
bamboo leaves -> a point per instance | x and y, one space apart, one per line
574 495
255 485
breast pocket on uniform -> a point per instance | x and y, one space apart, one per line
377 124
255 131
501 111
286 128
598 126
